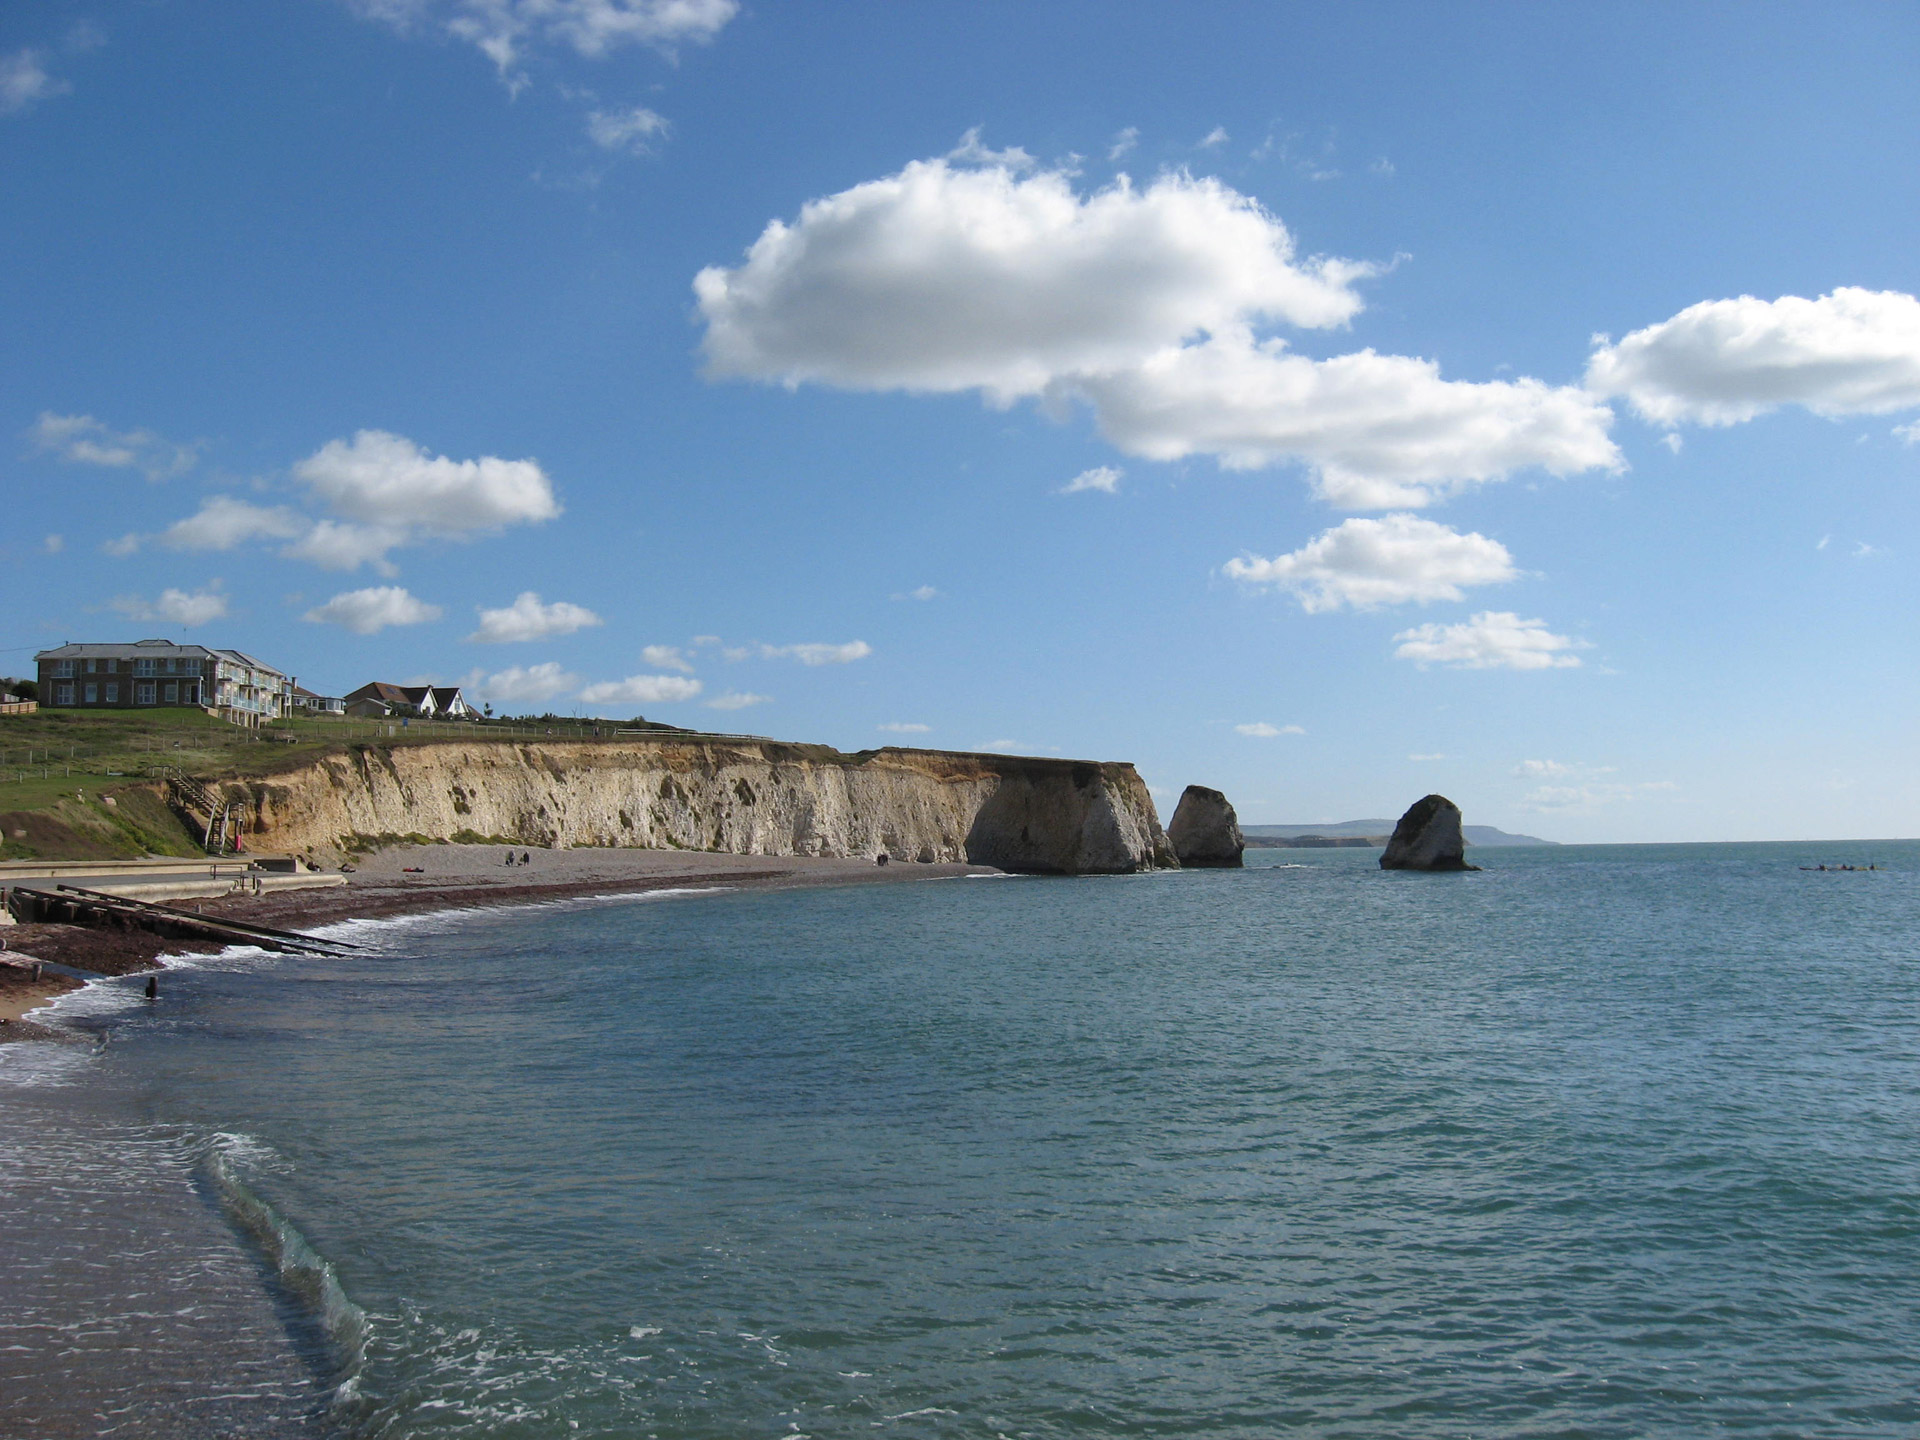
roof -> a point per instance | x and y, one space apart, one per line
391 694
247 660
136 649
154 649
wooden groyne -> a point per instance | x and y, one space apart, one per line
74 905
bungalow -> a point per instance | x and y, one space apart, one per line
312 704
427 702
227 683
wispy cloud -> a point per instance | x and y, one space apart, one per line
818 654
736 700
25 81
83 440
1261 730
630 131
667 657
1104 478
505 30
904 727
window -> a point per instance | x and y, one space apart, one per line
143 692
63 669
93 693
63 694
90 666
113 694
173 692
191 692
143 667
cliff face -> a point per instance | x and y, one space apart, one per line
735 796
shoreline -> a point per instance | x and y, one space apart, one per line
416 880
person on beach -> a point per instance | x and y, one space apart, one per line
525 858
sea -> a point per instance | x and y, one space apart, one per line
1599 1141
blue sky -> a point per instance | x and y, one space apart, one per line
366 337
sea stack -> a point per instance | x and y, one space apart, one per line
1205 832
1427 838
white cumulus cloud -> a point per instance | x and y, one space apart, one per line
366 611
1491 640
1852 352
175 607
223 522
528 619
818 654
904 727
1379 431
342 545
83 440
948 278
1390 561
520 683
379 478
641 690
1261 730
630 130
1102 477
25 81
383 490
1141 303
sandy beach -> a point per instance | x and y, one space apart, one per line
414 879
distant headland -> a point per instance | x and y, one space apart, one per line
1359 834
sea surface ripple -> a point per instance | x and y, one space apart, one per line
1602 1141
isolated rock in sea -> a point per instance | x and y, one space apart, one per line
1205 832
1427 838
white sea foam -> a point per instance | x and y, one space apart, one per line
373 931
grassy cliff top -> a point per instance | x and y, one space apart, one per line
86 785
58 768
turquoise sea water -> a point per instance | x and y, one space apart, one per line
1603 1141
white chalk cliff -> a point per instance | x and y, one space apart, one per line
749 797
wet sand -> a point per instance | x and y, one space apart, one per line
415 879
